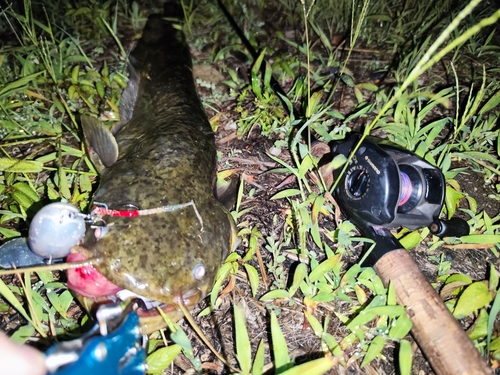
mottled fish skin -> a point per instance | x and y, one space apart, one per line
166 156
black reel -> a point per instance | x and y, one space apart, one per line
391 187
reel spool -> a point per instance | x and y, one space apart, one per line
391 187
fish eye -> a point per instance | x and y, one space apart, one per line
100 232
199 272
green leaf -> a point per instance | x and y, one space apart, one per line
63 184
160 359
411 240
391 311
332 344
21 198
313 104
298 276
75 74
324 38
253 277
475 297
57 303
400 327
7 89
391 295
325 297
286 193
275 294
11 298
258 362
374 350
315 324
27 190
20 166
458 277
280 350
491 103
493 280
255 75
495 309
243 349
40 301
66 298
323 268
347 79
452 198
358 94
476 155
368 86
305 165
222 274
180 337
314 367
363 317
360 294
23 334
338 161
360 112
9 233
369 314
481 238
480 328
405 357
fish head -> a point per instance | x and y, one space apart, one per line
166 258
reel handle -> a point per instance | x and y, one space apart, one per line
455 227
444 343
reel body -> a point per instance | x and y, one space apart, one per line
388 186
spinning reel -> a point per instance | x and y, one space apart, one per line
385 186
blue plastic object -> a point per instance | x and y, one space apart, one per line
117 353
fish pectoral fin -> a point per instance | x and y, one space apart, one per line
227 191
101 144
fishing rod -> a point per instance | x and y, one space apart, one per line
385 187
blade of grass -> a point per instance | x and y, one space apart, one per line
11 298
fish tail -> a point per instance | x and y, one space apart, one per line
160 28
161 36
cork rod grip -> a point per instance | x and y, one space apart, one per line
446 346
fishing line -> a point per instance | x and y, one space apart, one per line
406 189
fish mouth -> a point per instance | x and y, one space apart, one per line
148 308
92 289
150 318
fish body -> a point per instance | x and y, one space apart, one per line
162 159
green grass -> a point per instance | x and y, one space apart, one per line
52 72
